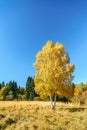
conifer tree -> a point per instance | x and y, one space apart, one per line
29 92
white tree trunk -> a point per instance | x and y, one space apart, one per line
53 103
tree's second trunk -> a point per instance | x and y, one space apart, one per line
53 103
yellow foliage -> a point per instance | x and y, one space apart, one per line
3 89
3 92
77 91
53 70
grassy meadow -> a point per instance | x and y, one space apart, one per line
37 115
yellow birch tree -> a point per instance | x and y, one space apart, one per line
53 72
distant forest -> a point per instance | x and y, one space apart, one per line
11 91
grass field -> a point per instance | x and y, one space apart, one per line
37 115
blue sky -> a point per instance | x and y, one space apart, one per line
26 25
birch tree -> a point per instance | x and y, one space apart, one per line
53 72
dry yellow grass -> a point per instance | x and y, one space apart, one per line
37 115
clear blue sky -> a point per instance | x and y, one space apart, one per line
26 25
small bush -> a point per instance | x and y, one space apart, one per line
37 99
79 99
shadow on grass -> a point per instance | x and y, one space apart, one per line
74 109
2 116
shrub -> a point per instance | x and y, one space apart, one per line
79 99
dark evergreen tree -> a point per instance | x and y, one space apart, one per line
15 89
2 84
29 92
12 87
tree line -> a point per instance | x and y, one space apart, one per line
11 91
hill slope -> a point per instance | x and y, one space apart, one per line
37 115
